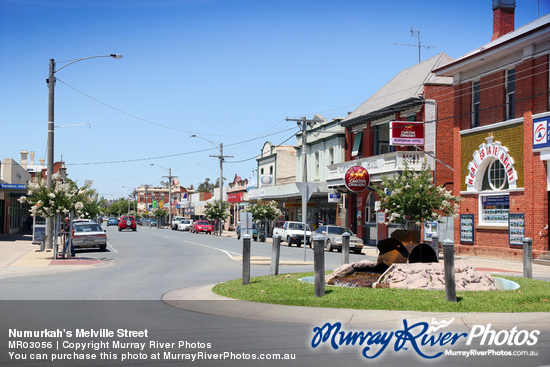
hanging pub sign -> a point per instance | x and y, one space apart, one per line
356 179
406 133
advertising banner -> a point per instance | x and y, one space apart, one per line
406 133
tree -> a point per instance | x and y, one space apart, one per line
412 197
62 198
206 186
217 211
264 212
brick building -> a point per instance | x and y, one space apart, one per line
411 96
496 138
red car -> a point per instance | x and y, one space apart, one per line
127 222
202 226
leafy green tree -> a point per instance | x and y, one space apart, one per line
412 197
206 186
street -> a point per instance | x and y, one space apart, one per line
113 315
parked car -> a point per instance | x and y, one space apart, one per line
293 232
254 231
127 222
139 222
202 226
88 234
112 222
175 222
154 223
185 225
333 238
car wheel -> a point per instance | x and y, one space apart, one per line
358 251
329 246
103 248
119 229
289 241
135 229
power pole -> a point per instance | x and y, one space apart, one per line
169 177
304 123
221 158
419 44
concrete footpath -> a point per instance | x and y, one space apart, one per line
19 257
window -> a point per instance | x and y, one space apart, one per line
370 213
317 165
494 206
357 146
331 155
476 103
510 93
382 139
495 177
270 170
495 209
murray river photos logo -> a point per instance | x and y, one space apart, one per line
418 337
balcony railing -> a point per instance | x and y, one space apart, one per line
379 165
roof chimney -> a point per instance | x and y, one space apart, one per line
32 154
24 154
503 17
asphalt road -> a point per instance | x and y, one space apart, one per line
48 316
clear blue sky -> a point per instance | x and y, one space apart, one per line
227 70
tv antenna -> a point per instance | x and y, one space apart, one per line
419 45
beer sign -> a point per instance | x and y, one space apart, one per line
407 133
356 179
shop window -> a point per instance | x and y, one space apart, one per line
476 103
510 93
370 213
494 209
494 205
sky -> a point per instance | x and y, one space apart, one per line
228 71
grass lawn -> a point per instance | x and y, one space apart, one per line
286 289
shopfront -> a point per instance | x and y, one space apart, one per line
504 191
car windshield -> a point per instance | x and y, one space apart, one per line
339 230
92 227
297 226
202 223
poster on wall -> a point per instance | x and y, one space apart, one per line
516 228
467 228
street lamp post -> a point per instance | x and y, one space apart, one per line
169 192
221 157
49 164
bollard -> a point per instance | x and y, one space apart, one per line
435 245
449 266
319 265
246 259
275 255
345 248
527 257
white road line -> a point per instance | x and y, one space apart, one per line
228 253
112 248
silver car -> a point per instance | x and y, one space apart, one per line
333 238
88 234
185 225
